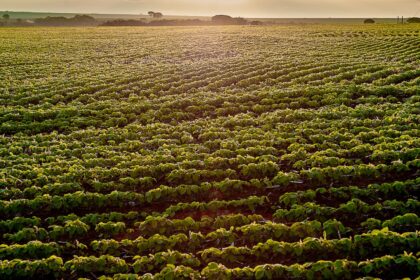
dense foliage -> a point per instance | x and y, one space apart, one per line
240 152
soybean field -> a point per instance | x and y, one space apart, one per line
220 152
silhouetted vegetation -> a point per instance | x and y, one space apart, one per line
5 18
413 20
216 20
155 14
78 20
21 22
369 21
163 22
228 20
222 19
10 18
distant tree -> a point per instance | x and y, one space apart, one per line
155 14
369 21
6 17
222 19
83 19
413 20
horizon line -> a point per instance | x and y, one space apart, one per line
186 15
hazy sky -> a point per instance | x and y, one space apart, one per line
247 8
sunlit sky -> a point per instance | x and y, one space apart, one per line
246 8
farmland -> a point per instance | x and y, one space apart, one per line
231 152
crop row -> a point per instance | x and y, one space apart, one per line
53 267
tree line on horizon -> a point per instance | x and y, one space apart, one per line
157 20
215 20
87 20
